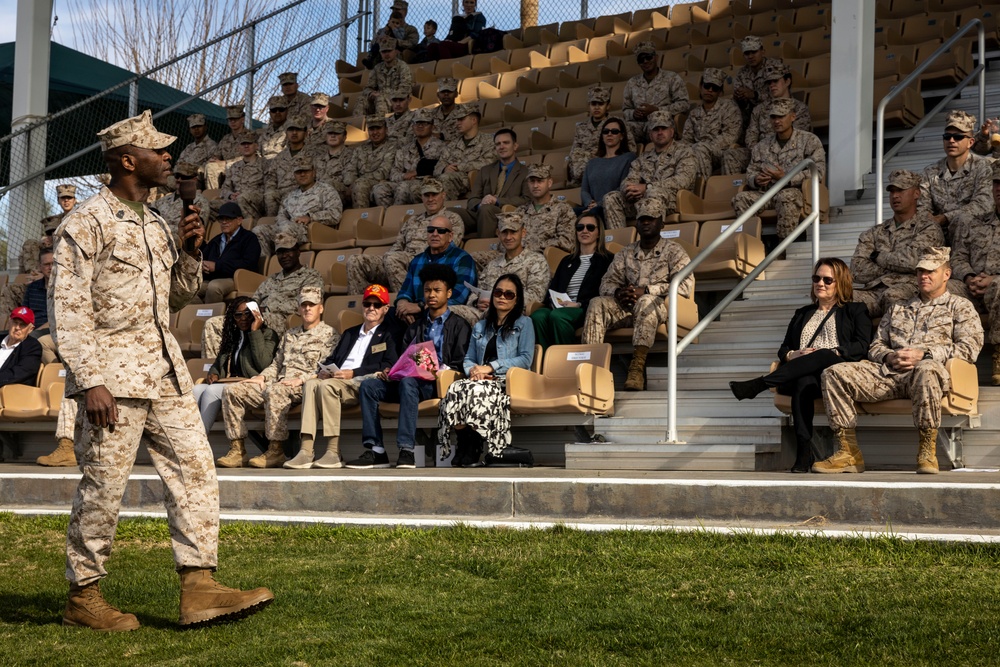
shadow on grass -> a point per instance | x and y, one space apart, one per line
35 609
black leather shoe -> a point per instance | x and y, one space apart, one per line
748 389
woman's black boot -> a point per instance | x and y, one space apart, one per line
748 389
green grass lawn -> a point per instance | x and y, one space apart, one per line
463 596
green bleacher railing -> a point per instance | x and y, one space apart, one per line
675 347
881 155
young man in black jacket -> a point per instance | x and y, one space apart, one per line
364 351
450 335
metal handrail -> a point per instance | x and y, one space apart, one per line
675 347
881 156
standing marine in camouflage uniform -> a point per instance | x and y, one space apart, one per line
906 360
390 269
772 157
635 288
332 158
955 190
886 257
276 296
652 90
118 273
444 122
715 125
415 158
280 172
203 147
311 202
779 81
390 74
316 132
472 151
588 134
279 386
976 261
528 265
399 122
749 86
370 163
272 135
658 173
246 179
296 102
547 222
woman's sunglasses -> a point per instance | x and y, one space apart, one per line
611 130
827 280
505 293
589 228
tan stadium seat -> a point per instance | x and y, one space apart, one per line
559 161
245 283
812 43
22 402
427 408
691 12
683 233
554 255
950 68
481 245
573 378
716 204
622 236
189 339
736 258
198 368
55 393
395 216
376 250
347 319
335 304
322 237
334 269
571 196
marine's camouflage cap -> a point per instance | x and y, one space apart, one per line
541 171
448 83
659 119
598 93
510 221
302 162
399 93
247 137
311 294
751 43
186 169
714 76
781 106
65 190
386 43
431 186
235 111
374 121
277 102
903 179
932 258
463 110
649 207
284 239
961 121
288 77
196 120
320 100
137 131
775 71
50 223
645 47
296 122
421 116
336 127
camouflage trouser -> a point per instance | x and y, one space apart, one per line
863 381
878 299
408 192
470 314
11 297
384 193
578 159
181 455
211 335
735 160
789 204
617 210
361 192
276 399
388 270
456 184
604 314
252 205
66 421
272 198
265 234
989 304
214 170
637 131
708 157
326 398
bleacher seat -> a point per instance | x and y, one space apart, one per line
199 367
715 204
572 378
428 408
187 335
737 257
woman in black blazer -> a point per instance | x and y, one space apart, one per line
824 333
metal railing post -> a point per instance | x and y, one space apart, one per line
814 189
584 9
343 31
133 98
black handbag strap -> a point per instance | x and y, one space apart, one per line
820 328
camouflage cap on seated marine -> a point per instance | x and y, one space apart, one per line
235 111
65 190
463 110
448 83
186 170
246 137
714 76
196 120
400 93
311 294
288 77
540 171
284 240
659 119
932 258
431 186
336 127
303 162
510 221
277 102
961 121
781 106
400 4
50 223
775 71
421 116
598 93
374 121
296 122
137 131
649 207
903 179
386 43
751 43
320 100
644 47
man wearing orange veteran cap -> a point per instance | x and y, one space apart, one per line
118 273
20 354
363 351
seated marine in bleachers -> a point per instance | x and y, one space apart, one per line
232 249
530 266
714 125
332 158
749 86
245 179
652 90
279 386
318 120
228 148
369 163
363 351
277 296
770 159
390 269
886 257
547 221
280 172
988 139
390 74
906 360
587 137
608 170
414 160
444 122
779 81
399 123
297 103
470 151
497 184
312 201
271 137
659 173
171 207
406 34
976 261
956 189
201 150
634 290
392 28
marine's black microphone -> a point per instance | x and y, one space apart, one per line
188 190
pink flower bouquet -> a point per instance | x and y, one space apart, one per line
419 361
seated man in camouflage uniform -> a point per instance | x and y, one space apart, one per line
390 74
228 148
316 132
370 163
296 102
548 222
471 151
245 180
311 202
635 288
652 90
749 87
280 172
588 133
390 269
272 135
414 159
976 261
906 360
886 257
332 158
714 125
399 122
278 387
772 157
659 173
529 266
444 122
276 296
201 150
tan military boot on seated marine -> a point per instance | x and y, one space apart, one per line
62 456
87 608
846 459
331 459
927 463
636 378
272 458
204 601
237 456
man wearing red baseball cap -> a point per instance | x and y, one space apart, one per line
20 354
363 350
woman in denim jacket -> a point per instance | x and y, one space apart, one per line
478 408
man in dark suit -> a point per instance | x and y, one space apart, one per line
235 248
498 184
364 350
20 354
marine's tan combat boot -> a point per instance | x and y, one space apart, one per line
204 601
927 454
237 456
304 459
331 459
846 459
87 608
636 378
996 366
272 458
62 456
